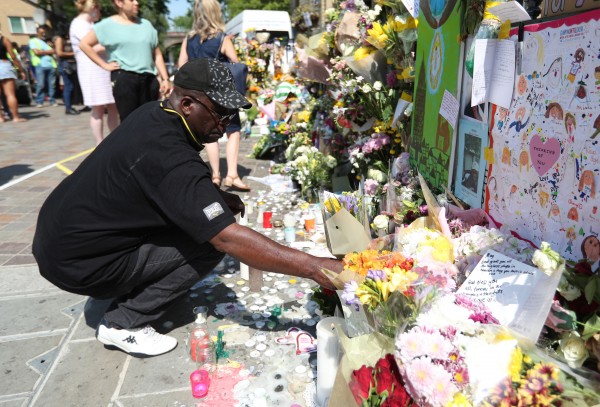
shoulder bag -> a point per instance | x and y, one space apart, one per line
239 70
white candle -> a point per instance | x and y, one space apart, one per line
244 271
328 357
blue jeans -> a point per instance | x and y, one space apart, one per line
68 85
46 80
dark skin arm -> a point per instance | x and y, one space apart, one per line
262 253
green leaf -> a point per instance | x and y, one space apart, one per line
591 327
568 319
590 290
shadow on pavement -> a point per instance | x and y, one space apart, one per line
12 171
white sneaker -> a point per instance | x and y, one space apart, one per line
141 342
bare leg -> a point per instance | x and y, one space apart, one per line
8 87
232 151
97 123
212 151
113 120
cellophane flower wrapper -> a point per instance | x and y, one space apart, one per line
470 247
456 355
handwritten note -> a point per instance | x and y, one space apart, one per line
493 72
503 76
518 295
511 10
450 108
483 64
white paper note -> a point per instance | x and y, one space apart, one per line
493 72
450 108
483 65
412 6
503 74
511 10
518 295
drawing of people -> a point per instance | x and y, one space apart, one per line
518 123
554 211
573 214
522 85
554 110
506 155
590 248
543 196
587 185
570 126
576 64
571 237
502 113
554 74
524 160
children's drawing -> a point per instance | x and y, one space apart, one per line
552 127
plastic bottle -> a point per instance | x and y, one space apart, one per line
201 350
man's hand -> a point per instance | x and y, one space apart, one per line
233 202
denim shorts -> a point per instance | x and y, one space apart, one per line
6 70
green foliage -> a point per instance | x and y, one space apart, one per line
184 22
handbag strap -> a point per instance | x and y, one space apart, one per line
220 45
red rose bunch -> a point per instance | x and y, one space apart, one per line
381 386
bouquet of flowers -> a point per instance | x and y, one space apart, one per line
574 319
380 386
312 169
457 356
393 290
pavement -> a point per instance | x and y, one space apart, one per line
48 351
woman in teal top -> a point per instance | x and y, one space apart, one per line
134 57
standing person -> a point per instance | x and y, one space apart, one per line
67 67
140 220
207 40
94 81
8 79
44 64
133 57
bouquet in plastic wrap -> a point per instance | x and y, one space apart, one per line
457 356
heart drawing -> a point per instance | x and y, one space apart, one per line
543 155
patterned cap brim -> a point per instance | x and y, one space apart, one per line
223 90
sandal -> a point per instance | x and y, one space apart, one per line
216 179
236 183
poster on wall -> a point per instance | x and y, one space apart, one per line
470 167
542 183
436 72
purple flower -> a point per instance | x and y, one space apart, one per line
349 294
371 186
377 275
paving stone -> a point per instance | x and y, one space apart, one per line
18 402
17 376
85 375
23 279
36 313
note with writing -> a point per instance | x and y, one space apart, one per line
493 72
518 295
412 6
511 11
450 108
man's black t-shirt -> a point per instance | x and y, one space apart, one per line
144 179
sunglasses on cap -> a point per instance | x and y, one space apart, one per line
217 117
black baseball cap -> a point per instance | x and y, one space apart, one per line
214 79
